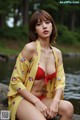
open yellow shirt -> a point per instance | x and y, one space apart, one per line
25 71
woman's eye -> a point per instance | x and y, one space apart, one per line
47 22
38 24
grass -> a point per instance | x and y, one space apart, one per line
69 48
10 47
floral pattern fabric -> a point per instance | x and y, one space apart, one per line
23 77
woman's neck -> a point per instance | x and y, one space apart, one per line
45 43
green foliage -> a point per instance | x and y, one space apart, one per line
77 34
50 4
4 6
14 33
65 36
61 13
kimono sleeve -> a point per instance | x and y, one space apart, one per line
19 73
60 77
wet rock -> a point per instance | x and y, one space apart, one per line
76 117
3 58
71 54
3 96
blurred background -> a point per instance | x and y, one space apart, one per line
14 21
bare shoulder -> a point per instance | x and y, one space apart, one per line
59 54
30 46
28 50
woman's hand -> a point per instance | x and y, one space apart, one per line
53 109
41 107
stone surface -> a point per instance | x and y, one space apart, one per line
71 54
4 106
3 96
3 92
3 57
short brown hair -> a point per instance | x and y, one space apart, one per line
41 14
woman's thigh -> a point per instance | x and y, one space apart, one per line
27 111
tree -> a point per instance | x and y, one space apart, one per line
25 11
4 10
74 10
16 11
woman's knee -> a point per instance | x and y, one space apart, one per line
67 108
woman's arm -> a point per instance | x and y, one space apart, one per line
60 78
28 53
28 96
20 70
59 87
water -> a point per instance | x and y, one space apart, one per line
72 89
72 70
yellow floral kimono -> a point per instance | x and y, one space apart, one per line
24 75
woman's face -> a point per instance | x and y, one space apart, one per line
44 29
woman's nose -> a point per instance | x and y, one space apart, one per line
44 25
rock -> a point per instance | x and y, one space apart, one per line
71 54
3 96
4 105
3 92
3 57
76 117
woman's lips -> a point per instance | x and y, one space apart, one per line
45 31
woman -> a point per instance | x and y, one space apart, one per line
38 80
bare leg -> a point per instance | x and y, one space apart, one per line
27 111
65 108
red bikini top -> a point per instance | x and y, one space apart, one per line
41 75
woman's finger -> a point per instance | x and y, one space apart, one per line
44 112
53 114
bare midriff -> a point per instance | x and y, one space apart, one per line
39 88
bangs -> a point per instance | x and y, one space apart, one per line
40 15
